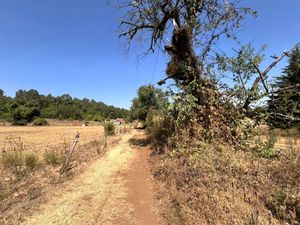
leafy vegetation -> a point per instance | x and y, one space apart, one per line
40 122
267 149
27 106
211 160
151 108
159 127
284 106
148 98
109 128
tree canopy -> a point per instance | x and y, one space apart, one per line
284 106
189 25
28 105
148 98
193 27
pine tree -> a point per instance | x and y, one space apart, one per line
284 107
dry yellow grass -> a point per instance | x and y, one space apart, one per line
99 196
285 139
39 138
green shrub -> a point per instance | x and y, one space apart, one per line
21 114
267 153
159 127
109 128
40 122
266 149
31 160
52 157
19 123
98 118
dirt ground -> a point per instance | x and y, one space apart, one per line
115 189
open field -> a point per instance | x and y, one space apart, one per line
31 158
39 138
285 139
56 122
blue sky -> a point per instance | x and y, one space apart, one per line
72 46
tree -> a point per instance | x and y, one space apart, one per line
21 115
284 106
4 101
148 98
23 97
250 82
242 73
195 26
27 105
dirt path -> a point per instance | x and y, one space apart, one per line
116 189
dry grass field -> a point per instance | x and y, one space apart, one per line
31 158
285 139
39 138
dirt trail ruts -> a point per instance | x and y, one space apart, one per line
116 189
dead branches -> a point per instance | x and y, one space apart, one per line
262 77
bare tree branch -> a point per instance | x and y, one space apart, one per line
261 78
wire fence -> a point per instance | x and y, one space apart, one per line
17 143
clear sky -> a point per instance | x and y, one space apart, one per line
72 46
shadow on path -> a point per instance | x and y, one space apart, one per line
139 141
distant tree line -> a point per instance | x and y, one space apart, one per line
29 105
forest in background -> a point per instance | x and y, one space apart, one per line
29 105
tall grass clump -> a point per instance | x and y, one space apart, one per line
13 161
53 157
18 163
31 160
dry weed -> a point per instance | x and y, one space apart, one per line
216 184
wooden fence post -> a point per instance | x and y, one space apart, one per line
105 141
69 156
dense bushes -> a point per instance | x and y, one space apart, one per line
214 170
148 98
159 127
22 114
29 105
150 108
40 122
19 122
